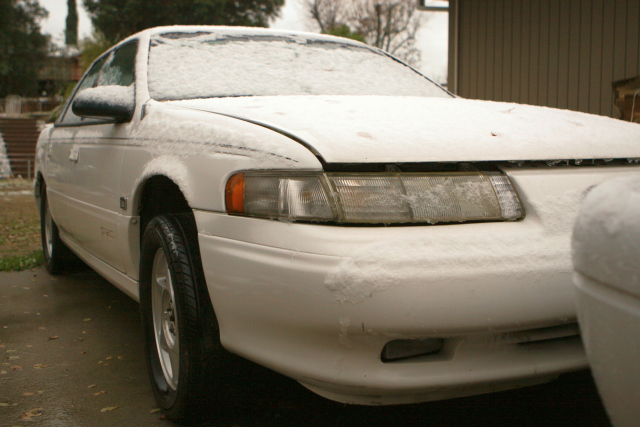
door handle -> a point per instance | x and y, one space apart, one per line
74 154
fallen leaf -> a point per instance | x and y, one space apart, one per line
99 393
4 404
11 351
53 338
79 339
109 357
120 357
28 393
24 287
40 366
28 345
106 364
153 411
42 328
88 319
17 367
83 352
92 385
13 357
99 362
3 372
28 416
109 408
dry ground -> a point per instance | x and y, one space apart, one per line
20 245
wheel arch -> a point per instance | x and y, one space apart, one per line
158 194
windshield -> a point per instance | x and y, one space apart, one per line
206 65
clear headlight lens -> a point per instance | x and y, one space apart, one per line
374 198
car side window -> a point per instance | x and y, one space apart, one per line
118 69
88 81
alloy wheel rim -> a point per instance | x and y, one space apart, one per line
165 320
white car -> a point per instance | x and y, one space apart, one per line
317 206
606 256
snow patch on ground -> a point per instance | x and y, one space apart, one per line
5 167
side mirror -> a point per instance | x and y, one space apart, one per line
105 102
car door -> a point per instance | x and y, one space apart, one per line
86 157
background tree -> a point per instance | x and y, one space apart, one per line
328 14
23 47
71 32
92 47
344 31
117 19
391 25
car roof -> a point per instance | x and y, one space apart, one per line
248 32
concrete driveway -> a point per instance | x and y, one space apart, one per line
71 355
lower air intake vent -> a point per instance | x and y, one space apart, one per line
542 334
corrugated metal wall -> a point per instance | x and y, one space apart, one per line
558 53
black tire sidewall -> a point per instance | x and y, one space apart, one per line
54 261
177 404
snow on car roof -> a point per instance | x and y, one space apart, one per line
249 32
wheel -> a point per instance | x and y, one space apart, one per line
182 343
57 257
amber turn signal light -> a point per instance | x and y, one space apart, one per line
234 195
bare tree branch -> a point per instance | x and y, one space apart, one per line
391 25
328 14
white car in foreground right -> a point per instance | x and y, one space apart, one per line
606 256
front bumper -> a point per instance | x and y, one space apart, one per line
321 304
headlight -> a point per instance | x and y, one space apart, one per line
373 198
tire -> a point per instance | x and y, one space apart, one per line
182 345
58 258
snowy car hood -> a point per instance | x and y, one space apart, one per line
377 129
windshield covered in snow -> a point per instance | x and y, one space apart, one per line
207 65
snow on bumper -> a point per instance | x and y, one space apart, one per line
321 302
